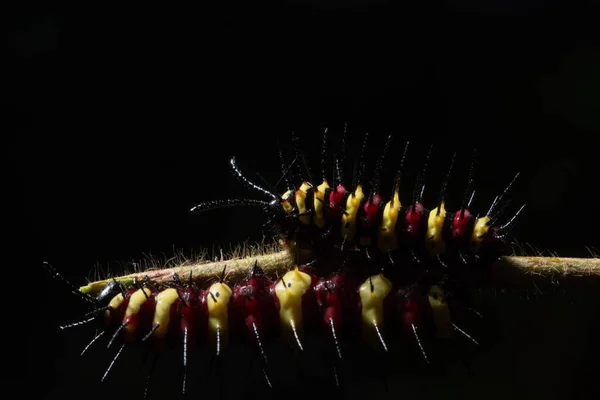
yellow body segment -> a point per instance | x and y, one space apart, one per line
319 204
162 312
285 203
435 225
480 229
441 312
372 293
218 316
114 303
349 218
301 202
137 299
387 240
290 297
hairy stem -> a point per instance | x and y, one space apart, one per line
560 270
274 264
509 270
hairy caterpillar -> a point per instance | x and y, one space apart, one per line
419 254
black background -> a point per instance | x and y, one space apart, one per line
119 119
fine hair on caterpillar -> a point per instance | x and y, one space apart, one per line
367 273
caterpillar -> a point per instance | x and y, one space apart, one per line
364 270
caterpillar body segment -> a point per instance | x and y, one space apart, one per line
254 309
319 204
372 221
349 220
115 310
373 292
440 311
305 203
336 304
138 314
387 236
217 302
167 302
416 316
435 242
290 292
192 313
480 232
462 226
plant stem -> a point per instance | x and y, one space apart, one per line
509 270
273 264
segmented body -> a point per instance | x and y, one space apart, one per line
258 310
366 268
352 222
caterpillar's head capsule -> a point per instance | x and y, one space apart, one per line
109 291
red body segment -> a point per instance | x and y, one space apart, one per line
193 315
329 294
413 309
370 209
413 220
254 306
336 198
460 223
